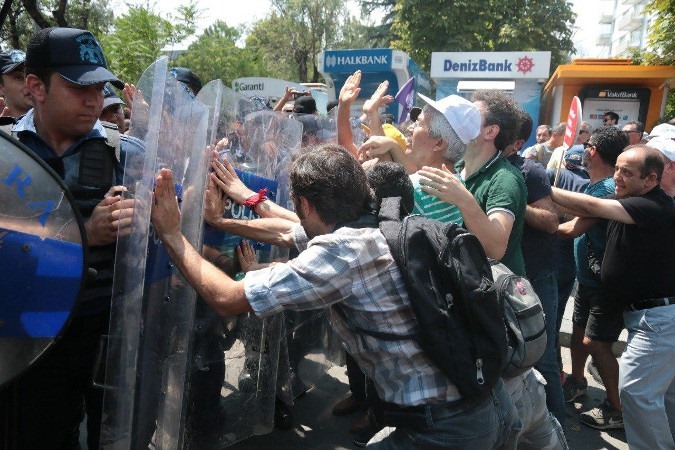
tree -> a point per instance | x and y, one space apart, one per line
140 36
486 25
214 55
379 36
661 44
297 30
18 18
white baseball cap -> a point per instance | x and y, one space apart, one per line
462 115
664 145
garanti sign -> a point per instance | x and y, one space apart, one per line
479 65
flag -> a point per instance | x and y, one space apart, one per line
406 97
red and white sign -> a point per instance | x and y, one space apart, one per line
573 122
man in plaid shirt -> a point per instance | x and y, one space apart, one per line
353 269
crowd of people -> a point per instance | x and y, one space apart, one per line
598 215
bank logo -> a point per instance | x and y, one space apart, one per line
525 64
331 61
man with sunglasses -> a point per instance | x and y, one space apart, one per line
13 88
634 131
597 318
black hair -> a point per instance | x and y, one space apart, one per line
501 110
609 142
389 179
612 115
333 181
526 124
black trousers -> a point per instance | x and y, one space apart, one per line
43 408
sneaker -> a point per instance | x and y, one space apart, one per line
572 389
602 417
592 369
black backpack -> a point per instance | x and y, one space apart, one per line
449 281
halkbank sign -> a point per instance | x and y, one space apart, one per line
480 65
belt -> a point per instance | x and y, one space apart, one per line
651 303
416 416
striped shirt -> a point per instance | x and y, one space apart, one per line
356 268
433 207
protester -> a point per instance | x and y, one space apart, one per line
543 152
597 320
538 245
329 188
489 192
610 119
638 272
634 130
542 134
48 401
571 177
559 153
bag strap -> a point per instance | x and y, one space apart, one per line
389 218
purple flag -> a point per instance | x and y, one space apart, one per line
406 97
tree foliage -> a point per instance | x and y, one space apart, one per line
297 30
214 55
420 28
379 35
661 43
140 35
23 16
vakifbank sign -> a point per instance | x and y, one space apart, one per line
371 60
493 65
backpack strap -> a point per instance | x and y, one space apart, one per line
389 218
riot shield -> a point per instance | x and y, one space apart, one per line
233 373
42 257
153 306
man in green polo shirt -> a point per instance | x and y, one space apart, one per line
493 197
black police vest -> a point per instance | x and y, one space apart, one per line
89 172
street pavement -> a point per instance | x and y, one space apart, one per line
316 428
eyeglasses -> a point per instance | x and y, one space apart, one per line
584 131
627 132
587 145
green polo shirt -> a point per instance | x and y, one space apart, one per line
500 186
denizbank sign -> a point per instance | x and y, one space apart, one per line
479 65
351 60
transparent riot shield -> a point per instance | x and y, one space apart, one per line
42 257
233 373
153 306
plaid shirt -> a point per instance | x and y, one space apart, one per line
356 268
